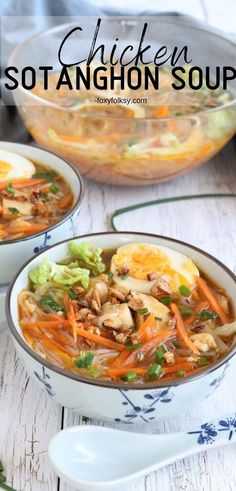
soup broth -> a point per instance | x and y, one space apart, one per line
140 313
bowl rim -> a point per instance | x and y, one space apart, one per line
71 210
103 383
203 28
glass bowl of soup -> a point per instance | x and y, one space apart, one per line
40 200
126 327
141 131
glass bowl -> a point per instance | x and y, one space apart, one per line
117 145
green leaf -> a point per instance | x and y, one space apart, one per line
42 273
59 274
154 371
158 318
87 256
184 291
64 275
110 275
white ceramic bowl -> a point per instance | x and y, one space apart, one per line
13 253
108 401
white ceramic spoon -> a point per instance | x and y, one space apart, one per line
94 458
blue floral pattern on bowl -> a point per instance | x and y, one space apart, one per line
44 379
43 246
146 412
208 432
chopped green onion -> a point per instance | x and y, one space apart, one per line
154 371
165 300
179 113
10 189
180 373
201 362
54 188
159 355
13 211
206 314
130 376
133 346
110 275
158 319
85 360
186 312
143 311
184 290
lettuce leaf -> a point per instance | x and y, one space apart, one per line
64 275
48 271
42 273
87 256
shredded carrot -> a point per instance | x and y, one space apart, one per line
3 233
159 338
46 324
27 229
207 293
198 308
100 340
65 201
119 360
71 315
182 365
180 326
118 372
162 111
144 330
21 183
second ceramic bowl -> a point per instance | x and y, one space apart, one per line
13 253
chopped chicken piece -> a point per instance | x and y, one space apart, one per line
160 286
121 337
203 341
169 357
19 208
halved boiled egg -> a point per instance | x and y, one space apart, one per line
133 263
14 166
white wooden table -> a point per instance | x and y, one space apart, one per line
28 418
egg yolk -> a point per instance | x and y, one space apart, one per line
4 169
